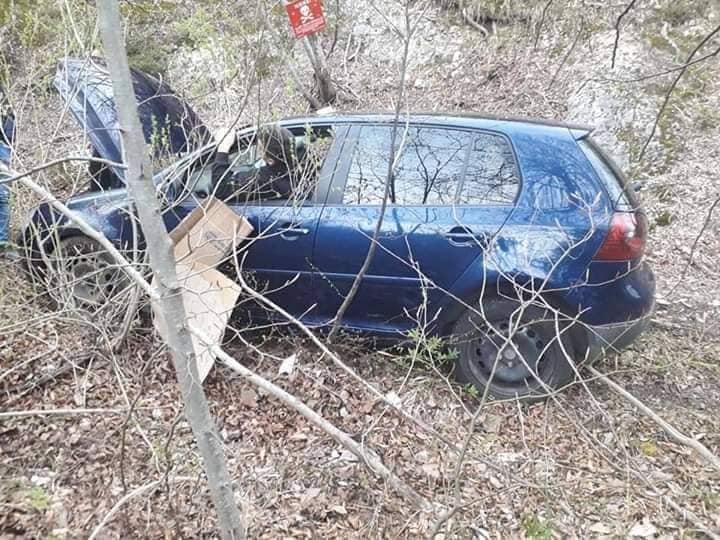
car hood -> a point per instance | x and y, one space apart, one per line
169 124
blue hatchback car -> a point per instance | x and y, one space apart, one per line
516 240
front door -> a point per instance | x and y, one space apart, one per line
277 261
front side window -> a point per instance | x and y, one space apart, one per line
249 174
429 163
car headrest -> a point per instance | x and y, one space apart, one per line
300 149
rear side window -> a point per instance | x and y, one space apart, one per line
611 179
429 166
491 176
434 167
555 173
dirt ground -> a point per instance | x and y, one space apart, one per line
584 464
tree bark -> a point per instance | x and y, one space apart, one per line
326 90
162 262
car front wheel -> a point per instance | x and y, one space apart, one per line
84 275
513 349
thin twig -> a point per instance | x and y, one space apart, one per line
689 516
131 410
700 233
50 164
336 360
696 445
472 22
617 30
672 88
70 364
389 191
567 55
541 23
368 457
126 498
58 412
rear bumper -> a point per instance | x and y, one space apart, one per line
610 338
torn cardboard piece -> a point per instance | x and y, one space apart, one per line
202 240
206 235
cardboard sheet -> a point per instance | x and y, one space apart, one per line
202 240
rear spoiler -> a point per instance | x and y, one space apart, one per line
579 133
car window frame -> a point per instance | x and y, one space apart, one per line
337 190
329 169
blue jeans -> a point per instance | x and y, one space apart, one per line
5 153
4 213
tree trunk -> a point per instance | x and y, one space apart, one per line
162 262
326 90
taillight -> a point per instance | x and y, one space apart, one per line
625 239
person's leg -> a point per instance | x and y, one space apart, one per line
4 214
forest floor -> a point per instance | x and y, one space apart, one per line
584 464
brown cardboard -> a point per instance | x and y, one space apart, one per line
202 240
206 235
209 298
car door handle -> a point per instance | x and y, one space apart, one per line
292 231
462 236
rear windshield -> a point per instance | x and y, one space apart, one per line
610 175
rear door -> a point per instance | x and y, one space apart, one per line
446 200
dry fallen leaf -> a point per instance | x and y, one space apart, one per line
393 398
309 495
288 365
339 509
643 529
432 470
248 397
600 528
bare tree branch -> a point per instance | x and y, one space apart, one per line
696 445
54 163
541 23
162 261
617 30
58 412
568 54
135 493
695 243
338 362
389 180
675 82
368 457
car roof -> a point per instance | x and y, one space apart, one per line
506 124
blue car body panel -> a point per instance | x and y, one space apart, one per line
309 255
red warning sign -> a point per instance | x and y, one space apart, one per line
306 17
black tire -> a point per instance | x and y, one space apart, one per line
483 346
84 274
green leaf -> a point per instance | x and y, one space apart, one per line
39 499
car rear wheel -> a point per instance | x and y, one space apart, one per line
513 349
84 275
